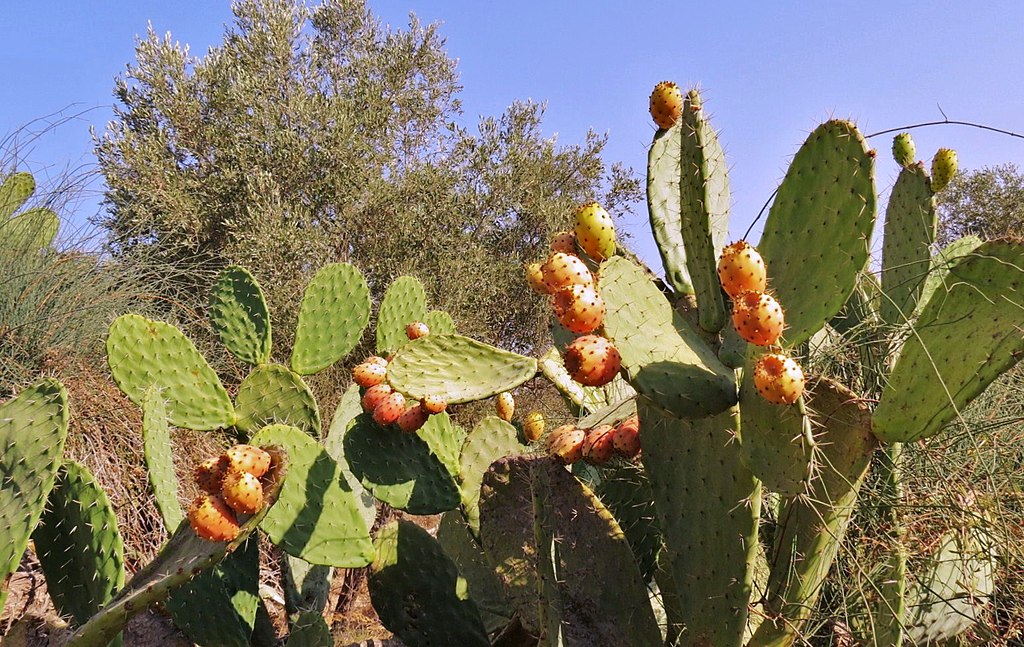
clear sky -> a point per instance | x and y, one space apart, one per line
770 71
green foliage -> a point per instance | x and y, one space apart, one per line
988 203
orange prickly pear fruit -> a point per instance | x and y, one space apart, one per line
390 409
417 329
598 446
666 104
209 474
562 270
579 308
626 437
374 396
505 406
212 519
565 242
592 360
779 379
595 231
434 404
566 443
533 426
758 318
246 458
741 269
535 277
243 492
413 418
369 373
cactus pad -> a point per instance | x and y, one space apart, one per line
818 233
334 312
156 446
15 190
910 221
445 439
457 368
271 393
940 264
239 314
405 301
143 353
484 586
309 629
663 208
32 229
491 439
665 358
440 323
344 417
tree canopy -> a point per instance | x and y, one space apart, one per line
988 203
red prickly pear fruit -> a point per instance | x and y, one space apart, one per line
243 492
598 447
533 426
592 360
595 231
579 308
758 318
505 406
212 519
246 458
413 418
417 329
562 270
666 104
565 242
944 166
779 379
375 395
626 438
903 150
566 443
390 409
369 373
209 474
535 277
434 404
741 269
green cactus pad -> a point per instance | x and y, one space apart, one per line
405 301
239 314
418 593
910 221
492 438
940 264
811 526
344 417
663 207
143 353
818 233
183 557
309 629
156 446
334 312
612 414
967 335
217 608
317 516
485 588
626 491
563 560
306 586
33 428
399 468
861 306
707 503
271 393
440 323
16 189
31 229
580 398
457 368
445 440
665 358
704 203
78 545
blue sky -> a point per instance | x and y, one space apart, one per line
770 71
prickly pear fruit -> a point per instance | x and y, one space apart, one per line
758 318
376 359
374 396
243 492
535 277
592 360
389 409
212 519
598 445
413 418
369 373
778 379
505 406
944 166
903 150
566 443
434 404
533 426
209 474
666 104
565 242
246 458
416 329
579 308
562 270
741 269
626 438
595 231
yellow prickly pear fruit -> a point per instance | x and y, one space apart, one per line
566 443
565 242
562 270
944 166
212 519
903 150
666 104
243 492
535 277
741 269
246 458
505 406
595 231
533 426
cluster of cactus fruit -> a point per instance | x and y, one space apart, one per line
597 445
231 486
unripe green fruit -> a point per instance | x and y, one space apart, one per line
944 166
903 150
